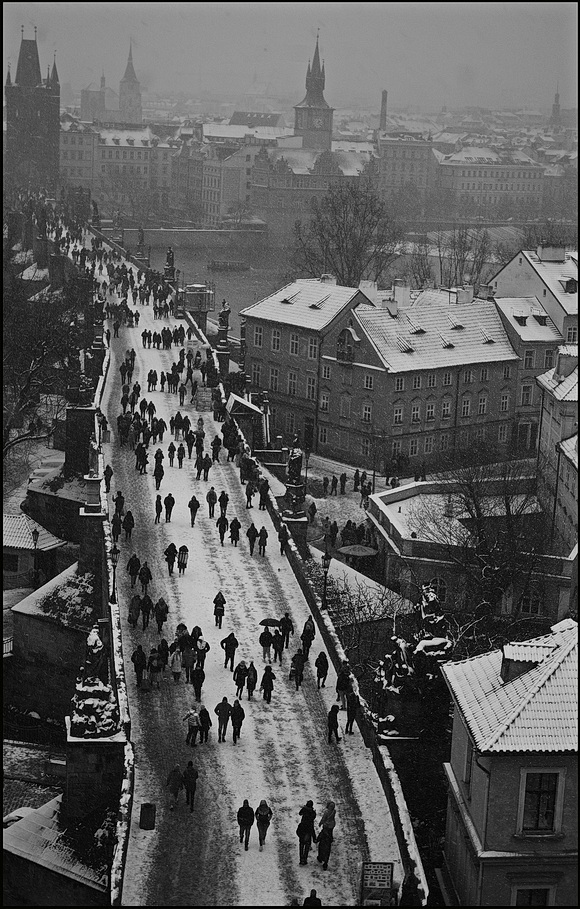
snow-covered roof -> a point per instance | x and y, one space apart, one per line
569 448
535 712
231 131
302 160
17 534
553 274
562 390
310 303
531 307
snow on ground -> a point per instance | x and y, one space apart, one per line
283 755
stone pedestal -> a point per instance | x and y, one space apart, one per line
297 524
40 251
169 273
295 492
56 271
94 773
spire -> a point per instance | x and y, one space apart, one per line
28 68
54 76
8 79
315 80
316 60
129 71
103 80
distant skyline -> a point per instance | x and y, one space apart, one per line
498 55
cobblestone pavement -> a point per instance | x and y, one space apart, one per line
283 756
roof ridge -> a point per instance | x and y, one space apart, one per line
551 665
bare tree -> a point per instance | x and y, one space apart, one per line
420 263
349 234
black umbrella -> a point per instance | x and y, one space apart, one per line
270 622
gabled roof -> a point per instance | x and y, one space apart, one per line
552 273
569 448
535 712
17 534
437 334
531 307
308 303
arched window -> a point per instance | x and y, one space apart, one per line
439 587
531 602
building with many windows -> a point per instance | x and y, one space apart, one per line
485 178
404 158
512 817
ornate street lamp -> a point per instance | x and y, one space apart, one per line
115 553
35 535
326 559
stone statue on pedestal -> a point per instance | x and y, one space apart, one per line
294 468
170 259
224 315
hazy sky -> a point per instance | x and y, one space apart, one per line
424 54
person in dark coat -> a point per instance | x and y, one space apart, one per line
343 685
263 489
265 641
223 500
170 556
193 506
108 473
252 535
134 610
263 815
352 705
190 777
235 528
262 540
133 566
180 454
171 453
139 661
116 527
211 499
307 636
215 448
356 480
219 602
238 716
158 509
145 577
321 664
223 712
287 628
146 609
128 525
169 502
207 462
206 724
158 474
222 525
283 537
278 645
240 675
245 820
297 663
325 838
175 785
333 723
305 831
229 645
197 676
267 685
161 610
251 680
163 650
342 484
201 649
334 486
312 900
188 662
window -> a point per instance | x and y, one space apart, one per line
526 398
256 374
533 896
447 378
432 380
484 374
275 339
326 371
274 378
322 435
502 433
430 412
294 344
292 383
413 447
482 405
531 602
529 359
397 416
291 422
367 413
416 382
324 402
446 410
399 383
258 335
444 443
507 371
313 348
345 406
369 383
311 388
548 359
429 444
396 447
480 433
468 376
541 800
416 413
465 407
365 447
504 403
571 335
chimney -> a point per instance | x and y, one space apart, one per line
514 663
547 253
327 279
465 294
370 290
383 118
402 293
565 363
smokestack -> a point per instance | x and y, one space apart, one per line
383 119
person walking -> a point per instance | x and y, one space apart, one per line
334 486
223 501
283 537
116 527
176 664
251 680
352 705
262 540
188 662
286 628
219 602
305 831
265 641
145 577
146 608
139 661
211 499
193 506
342 479
235 528
170 556
263 816
229 645
128 525
238 717
278 646
245 820
312 512
180 454
325 483
158 509
205 724
201 650
222 525
343 684
171 449
193 725
215 448
158 474
108 473
197 676
169 502
297 666
307 636
312 900
134 610
333 724
267 685
133 566
328 818
154 667
325 838
250 493
190 778
321 664
223 712
161 610
252 535
207 462
175 785
240 675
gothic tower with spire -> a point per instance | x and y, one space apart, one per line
555 118
313 116
32 118
130 109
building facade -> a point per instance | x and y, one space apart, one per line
404 159
483 178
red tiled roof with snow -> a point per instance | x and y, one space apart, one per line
535 712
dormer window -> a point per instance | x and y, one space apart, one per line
345 345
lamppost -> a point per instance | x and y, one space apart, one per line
115 553
35 535
326 559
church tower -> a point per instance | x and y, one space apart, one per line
555 118
130 110
313 116
32 118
